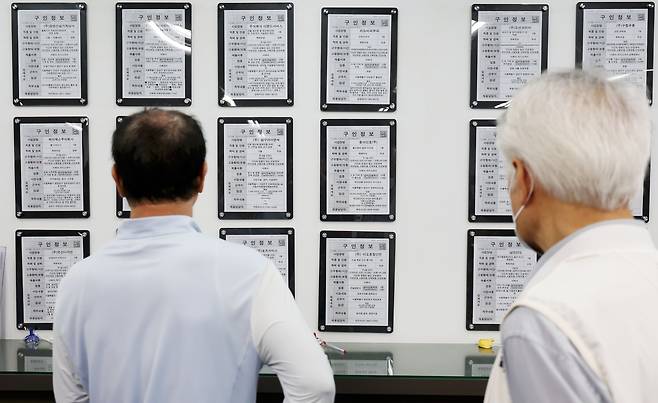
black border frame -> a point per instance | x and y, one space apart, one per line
269 215
648 5
474 124
392 125
470 254
17 100
18 194
472 171
322 308
27 233
646 196
120 99
289 232
289 7
392 104
475 103
120 212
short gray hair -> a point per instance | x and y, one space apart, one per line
584 137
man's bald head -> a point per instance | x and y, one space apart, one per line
159 156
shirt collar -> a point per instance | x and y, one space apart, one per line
156 226
610 235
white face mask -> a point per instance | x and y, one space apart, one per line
515 216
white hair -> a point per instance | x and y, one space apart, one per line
584 137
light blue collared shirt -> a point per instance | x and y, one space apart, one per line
165 314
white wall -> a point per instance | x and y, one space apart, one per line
432 166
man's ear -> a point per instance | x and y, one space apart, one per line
202 177
522 181
117 181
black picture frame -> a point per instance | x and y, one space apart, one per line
264 215
472 175
123 101
497 218
646 196
648 5
392 125
18 174
289 232
392 104
237 102
17 100
120 211
25 233
474 102
470 254
322 311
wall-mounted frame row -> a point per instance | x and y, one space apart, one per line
353 298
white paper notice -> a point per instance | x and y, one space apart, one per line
154 52
501 266
358 169
124 204
45 261
491 185
480 369
615 40
38 363
273 247
362 367
49 54
509 52
359 59
255 168
357 276
51 167
256 54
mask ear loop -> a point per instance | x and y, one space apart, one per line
527 199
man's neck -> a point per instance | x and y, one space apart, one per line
565 220
146 209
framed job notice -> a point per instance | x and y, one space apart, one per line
154 54
488 185
617 37
51 165
359 59
42 259
255 175
488 188
357 169
121 203
498 267
256 54
49 53
357 281
509 47
276 244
